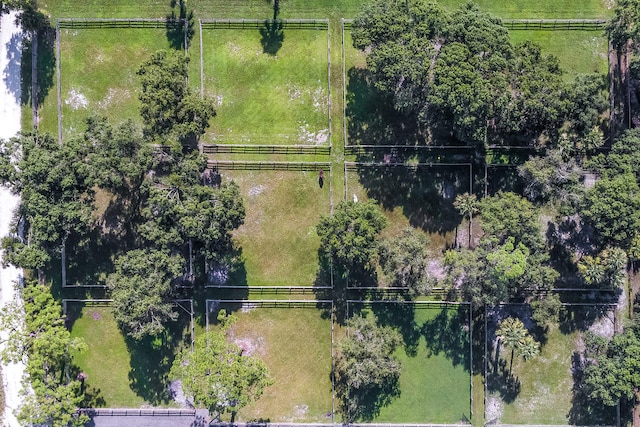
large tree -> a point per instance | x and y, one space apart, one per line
515 336
366 372
38 336
612 208
349 236
612 370
217 376
169 108
405 260
142 290
459 71
56 187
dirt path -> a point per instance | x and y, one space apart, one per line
10 54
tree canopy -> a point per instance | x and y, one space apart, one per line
404 261
459 71
141 288
366 372
169 109
349 236
39 331
217 375
612 370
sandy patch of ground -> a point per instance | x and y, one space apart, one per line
76 100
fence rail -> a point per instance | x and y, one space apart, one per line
275 166
538 24
555 24
302 24
133 412
266 149
119 23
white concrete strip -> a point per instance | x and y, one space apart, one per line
10 55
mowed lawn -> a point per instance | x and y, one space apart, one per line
546 9
123 372
98 73
435 378
273 97
579 52
278 239
295 343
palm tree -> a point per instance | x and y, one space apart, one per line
591 269
528 347
467 205
511 332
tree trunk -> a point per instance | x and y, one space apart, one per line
63 261
511 362
190 258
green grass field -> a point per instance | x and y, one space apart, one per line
544 394
268 90
435 378
579 52
295 343
98 73
120 372
278 239
549 9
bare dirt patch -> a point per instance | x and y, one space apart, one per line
76 100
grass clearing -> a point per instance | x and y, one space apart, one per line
295 343
541 9
98 73
579 52
435 378
278 239
421 198
542 390
270 88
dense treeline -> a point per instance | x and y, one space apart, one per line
458 73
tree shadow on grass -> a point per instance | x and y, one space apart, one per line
151 360
46 65
448 333
585 410
425 194
400 316
581 318
179 27
371 117
272 34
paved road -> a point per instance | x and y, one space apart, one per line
143 421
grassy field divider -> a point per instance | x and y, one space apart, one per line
246 23
275 166
555 24
119 23
265 149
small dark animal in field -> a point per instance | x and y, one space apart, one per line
321 178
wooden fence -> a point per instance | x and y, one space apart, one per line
266 149
274 166
239 24
120 23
